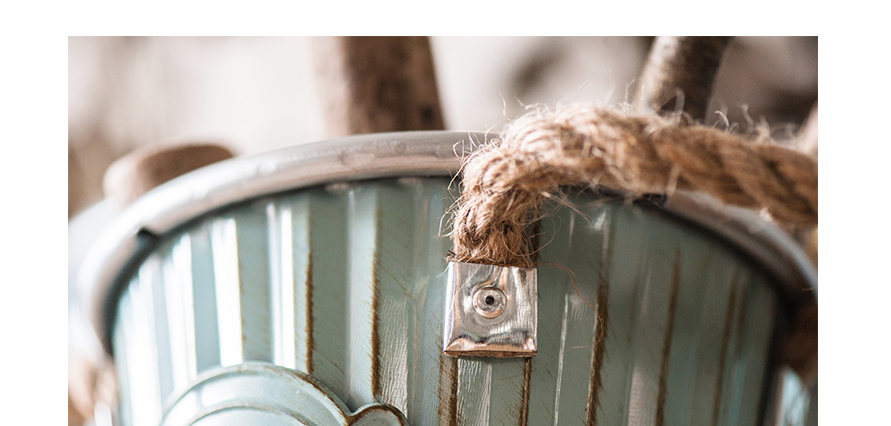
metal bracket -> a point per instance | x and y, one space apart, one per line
490 311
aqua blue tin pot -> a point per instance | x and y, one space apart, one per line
306 286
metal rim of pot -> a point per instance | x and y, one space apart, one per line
138 229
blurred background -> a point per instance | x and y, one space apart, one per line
256 94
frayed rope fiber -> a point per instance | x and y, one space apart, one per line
505 182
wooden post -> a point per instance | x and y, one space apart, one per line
681 69
377 84
142 170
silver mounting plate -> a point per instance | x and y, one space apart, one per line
490 311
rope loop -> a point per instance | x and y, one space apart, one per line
505 182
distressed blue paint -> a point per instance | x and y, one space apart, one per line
354 247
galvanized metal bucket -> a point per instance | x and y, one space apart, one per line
307 286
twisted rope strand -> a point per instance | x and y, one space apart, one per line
506 181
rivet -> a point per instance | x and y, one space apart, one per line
489 301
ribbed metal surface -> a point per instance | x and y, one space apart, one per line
642 320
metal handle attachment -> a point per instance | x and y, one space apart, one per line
490 311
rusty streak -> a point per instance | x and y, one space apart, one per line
523 420
310 341
448 391
666 345
383 408
375 335
600 329
599 350
725 342
453 395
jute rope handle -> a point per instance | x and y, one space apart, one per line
506 181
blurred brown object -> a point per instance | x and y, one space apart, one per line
765 80
811 246
377 84
799 349
86 163
138 172
75 418
81 378
680 73
88 384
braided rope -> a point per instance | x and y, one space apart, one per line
583 144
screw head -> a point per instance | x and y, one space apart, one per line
489 302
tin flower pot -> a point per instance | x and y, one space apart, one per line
307 286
